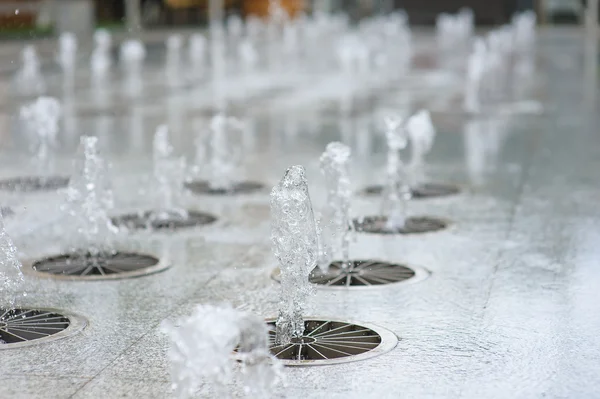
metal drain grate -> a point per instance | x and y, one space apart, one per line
413 225
423 191
23 327
363 274
327 341
119 265
432 190
203 187
146 220
34 183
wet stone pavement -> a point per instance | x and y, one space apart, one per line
510 308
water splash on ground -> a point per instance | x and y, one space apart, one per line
201 353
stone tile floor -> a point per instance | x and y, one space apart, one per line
510 309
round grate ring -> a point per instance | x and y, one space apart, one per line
366 273
34 183
423 191
21 327
203 187
413 225
328 341
119 265
363 274
145 220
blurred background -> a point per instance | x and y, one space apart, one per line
34 18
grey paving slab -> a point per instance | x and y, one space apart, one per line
39 387
124 388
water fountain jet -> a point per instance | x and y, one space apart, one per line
295 244
169 174
41 118
225 157
335 220
100 60
421 133
88 200
132 55
202 348
29 80
396 192
93 250
11 278
297 339
67 52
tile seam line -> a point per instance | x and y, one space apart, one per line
154 326
513 212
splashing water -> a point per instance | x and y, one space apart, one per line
198 166
11 278
422 134
132 55
454 30
201 353
67 51
88 200
29 78
337 226
235 27
132 51
396 191
248 55
218 58
174 45
100 60
197 52
524 31
261 372
278 17
43 117
295 244
169 173
225 154
475 72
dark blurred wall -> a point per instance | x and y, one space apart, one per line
110 10
523 5
487 12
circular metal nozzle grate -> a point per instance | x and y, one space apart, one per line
366 273
23 327
117 265
423 191
327 341
412 225
147 220
203 187
34 183
363 274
